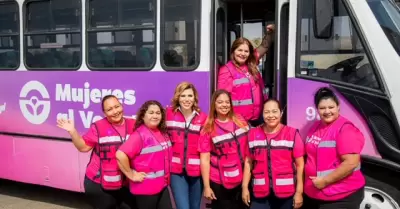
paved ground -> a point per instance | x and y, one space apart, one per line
24 196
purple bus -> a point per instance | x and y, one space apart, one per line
58 59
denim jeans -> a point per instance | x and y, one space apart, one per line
187 191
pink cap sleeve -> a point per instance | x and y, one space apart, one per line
91 137
225 80
298 150
350 140
204 143
132 146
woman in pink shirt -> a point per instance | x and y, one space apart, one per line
105 134
333 145
222 147
274 150
241 77
145 158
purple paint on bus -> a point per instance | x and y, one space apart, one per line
78 95
301 111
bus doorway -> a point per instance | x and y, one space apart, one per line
249 20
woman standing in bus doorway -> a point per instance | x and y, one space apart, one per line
184 122
145 158
104 184
333 145
274 150
241 77
223 148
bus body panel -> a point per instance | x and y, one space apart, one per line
36 151
302 112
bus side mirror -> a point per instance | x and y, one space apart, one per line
323 19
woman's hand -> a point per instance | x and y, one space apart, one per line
209 194
246 196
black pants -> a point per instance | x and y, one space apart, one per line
161 200
99 198
352 201
227 198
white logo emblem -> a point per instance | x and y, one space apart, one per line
32 114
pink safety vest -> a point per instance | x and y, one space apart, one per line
111 178
227 156
328 160
153 160
185 138
243 95
274 165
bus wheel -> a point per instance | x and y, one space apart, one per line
380 195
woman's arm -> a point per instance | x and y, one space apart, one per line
267 41
247 172
300 174
80 144
349 163
205 169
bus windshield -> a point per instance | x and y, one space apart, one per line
388 16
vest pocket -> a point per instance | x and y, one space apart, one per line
111 176
284 184
260 184
193 165
231 172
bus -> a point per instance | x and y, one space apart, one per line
59 58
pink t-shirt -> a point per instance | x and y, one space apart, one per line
225 81
298 149
206 146
91 139
133 146
349 141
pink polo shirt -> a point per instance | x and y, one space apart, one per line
206 145
349 141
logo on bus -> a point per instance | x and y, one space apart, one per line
36 110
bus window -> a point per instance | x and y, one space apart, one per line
53 35
9 35
342 58
121 34
180 34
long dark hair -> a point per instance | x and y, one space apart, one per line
210 122
142 111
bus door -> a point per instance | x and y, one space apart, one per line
281 54
244 20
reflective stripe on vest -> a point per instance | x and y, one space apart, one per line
273 143
111 139
112 178
154 175
155 148
232 173
257 143
227 136
241 81
191 161
182 125
330 144
242 102
327 172
279 182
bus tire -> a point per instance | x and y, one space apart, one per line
380 194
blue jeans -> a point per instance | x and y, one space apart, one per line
187 191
